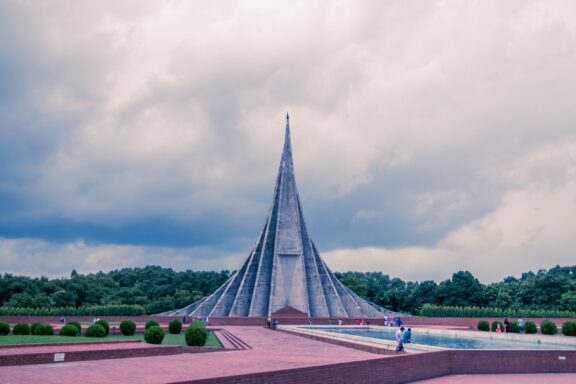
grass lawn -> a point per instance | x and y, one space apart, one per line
169 339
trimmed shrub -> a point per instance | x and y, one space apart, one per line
196 334
43 329
483 325
530 327
33 327
175 327
548 327
128 327
151 323
21 329
4 328
154 335
513 327
104 324
69 330
96 330
569 328
76 324
495 325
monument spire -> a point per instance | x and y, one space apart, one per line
284 271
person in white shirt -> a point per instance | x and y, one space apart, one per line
399 339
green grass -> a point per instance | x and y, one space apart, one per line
169 339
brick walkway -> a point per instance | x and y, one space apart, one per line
271 351
533 378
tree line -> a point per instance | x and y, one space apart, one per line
158 289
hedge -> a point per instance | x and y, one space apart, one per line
196 334
569 328
69 330
530 327
95 310
431 310
76 324
483 325
104 324
548 327
128 327
4 328
175 326
154 335
151 323
43 329
95 330
21 329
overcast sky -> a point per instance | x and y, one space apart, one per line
428 136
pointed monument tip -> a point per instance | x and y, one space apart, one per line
287 117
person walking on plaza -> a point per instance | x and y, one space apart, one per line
400 339
269 321
407 338
520 325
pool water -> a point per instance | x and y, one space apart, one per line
453 342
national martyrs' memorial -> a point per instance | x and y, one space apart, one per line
284 271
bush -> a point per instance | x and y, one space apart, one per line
69 330
96 330
483 325
4 328
513 327
104 324
495 325
128 327
530 327
21 329
76 324
43 329
33 327
154 335
175 327
151 323
196 334
548 327
569 328
94 310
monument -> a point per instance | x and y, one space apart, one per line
284 273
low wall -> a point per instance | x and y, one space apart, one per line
103 354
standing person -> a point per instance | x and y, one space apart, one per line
269 322
506 325
498 329
520 325
386 323
407 336
398 322
400 339
339 321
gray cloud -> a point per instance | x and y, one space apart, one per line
414 124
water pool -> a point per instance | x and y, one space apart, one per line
460 340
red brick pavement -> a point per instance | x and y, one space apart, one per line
538 378
271 351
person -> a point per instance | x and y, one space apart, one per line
520 325
399 339
339 321
407 336
357 322
398 322
498 329
274 324
506 325
269 322
309 322
386 322
330 321
183 319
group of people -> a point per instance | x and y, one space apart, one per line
506 329
403 336
273 324
394 321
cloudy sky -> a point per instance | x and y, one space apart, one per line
429 136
